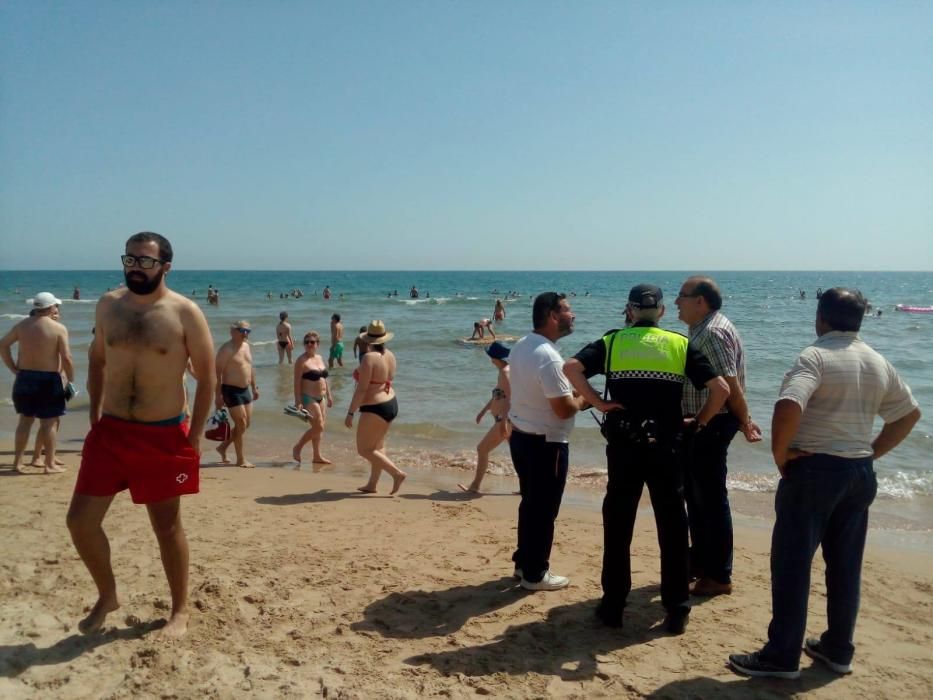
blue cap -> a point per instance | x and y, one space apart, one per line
497 350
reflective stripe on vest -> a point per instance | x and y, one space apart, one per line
646 352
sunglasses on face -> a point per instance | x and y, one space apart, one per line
312 342
682 295
143 261
244 331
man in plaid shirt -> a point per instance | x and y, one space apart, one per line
699 303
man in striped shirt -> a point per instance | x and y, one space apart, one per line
710 517
821 439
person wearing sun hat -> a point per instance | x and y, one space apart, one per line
375 399
498 406
42 355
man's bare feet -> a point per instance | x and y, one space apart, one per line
468 489
397 482
296 454
246 465
321 460
54 470
20 469
366 489
95 620
222 451
176 626
37 462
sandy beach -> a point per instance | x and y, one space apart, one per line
302 587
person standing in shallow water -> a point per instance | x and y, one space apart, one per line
283 335
140 438
375 399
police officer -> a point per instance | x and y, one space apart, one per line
645 368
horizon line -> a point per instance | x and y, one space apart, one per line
307 271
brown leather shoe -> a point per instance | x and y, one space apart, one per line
707 587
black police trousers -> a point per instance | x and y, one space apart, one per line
631 467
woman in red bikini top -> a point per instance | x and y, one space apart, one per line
375 399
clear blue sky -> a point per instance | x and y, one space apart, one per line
469 135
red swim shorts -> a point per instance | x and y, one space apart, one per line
155 462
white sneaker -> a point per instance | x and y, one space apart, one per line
549 582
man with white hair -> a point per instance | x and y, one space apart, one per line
38 391
646 368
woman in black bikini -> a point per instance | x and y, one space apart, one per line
312 392
375 399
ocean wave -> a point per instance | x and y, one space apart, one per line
902 486
15 317
905 486
752 483
79 301
431 431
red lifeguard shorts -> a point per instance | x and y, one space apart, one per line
155 461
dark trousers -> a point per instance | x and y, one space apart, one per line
822 500
631 467
707 499
542 474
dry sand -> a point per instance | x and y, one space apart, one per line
303 588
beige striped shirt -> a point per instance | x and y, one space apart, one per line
841 384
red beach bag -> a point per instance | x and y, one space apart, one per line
218 426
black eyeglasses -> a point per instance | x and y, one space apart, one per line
312 342
144 261
244 331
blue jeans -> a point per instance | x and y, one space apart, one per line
823 500
542 474
708 500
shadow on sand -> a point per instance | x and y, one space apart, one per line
17 658
569 638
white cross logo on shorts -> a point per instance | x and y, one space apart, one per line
181 478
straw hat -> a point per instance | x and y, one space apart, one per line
376 334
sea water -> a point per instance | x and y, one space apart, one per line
442 383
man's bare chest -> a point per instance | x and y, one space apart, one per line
149 330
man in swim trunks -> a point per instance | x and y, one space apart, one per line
42 356
235 378
336 342
140 437
283 334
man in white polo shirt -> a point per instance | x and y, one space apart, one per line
541 418
821 439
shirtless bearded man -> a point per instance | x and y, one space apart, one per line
140 437
235 378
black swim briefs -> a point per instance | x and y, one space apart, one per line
235 395
39 394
